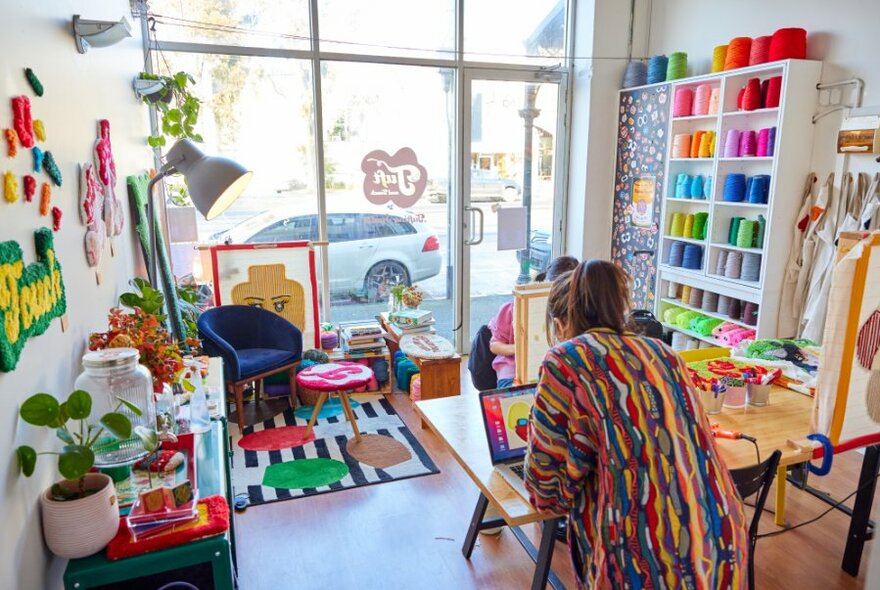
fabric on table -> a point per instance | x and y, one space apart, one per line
583 429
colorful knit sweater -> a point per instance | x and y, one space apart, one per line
620 443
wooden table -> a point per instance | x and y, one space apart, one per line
440 377
458 422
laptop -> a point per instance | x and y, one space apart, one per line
506 421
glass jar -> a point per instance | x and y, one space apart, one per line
110 375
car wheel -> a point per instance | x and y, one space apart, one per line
510 194
382 277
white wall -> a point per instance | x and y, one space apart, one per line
842 34
80 89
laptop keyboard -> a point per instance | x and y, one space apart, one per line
519 469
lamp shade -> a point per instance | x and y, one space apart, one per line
213 183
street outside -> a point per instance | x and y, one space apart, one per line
493 272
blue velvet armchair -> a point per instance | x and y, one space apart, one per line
254 344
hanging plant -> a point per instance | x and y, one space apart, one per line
178 108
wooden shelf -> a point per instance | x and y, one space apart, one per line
711 314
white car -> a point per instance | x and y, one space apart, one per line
369 252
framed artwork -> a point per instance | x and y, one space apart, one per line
530 329
847 402
278 277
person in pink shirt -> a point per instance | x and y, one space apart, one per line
502 329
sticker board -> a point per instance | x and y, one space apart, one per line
278 277
530 329
847 403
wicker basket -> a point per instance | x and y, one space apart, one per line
308 397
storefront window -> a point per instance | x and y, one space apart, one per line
515 31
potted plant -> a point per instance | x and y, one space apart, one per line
80 513
396 294
177 106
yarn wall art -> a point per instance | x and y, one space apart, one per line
638 186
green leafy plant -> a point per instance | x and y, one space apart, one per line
397 292
150 300
82 440
178 195
177 106
188 297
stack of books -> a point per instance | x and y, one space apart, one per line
411 321
161 509
363 337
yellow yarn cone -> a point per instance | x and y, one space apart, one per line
676 225
719 55
688 225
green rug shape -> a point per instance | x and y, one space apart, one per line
304 473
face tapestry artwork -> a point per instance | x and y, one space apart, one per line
268 288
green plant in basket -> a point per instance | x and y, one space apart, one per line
82 437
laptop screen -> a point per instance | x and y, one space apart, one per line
506 418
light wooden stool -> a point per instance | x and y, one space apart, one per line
334 378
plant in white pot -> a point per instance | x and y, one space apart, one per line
80 512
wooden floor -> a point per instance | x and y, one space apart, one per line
408 534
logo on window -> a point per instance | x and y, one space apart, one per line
398 179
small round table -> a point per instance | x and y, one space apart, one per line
339 378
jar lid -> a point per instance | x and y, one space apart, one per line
110 357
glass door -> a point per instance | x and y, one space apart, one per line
513 194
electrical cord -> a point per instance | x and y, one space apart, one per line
814 519
754 442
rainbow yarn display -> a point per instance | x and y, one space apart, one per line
719 56
657 66
636 74
676 66
790 43
738 51
760 50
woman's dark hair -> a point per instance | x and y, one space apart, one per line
557 266
593 295
557 305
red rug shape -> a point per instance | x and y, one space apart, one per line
274 439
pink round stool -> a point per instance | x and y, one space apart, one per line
339 378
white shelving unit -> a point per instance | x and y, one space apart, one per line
787 168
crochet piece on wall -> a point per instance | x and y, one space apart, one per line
35 83
30 296
51 168
39 130
38 159
30 187
10 187
91 206
56 218
11 142
45 198
21 120
848 390
641 142
138 199
280 279
114 217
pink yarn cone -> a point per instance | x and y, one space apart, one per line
748 144
701 99
683 103
763 143
731 144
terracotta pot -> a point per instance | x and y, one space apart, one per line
78 528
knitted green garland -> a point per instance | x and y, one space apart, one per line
30 296
137 193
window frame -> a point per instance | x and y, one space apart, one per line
457 61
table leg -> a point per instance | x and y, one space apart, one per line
471 538
343 398
858 524
545 553
779 517
321 399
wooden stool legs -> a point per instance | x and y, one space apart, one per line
346 407
343 397
321 399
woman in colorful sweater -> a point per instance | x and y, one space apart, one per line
619 442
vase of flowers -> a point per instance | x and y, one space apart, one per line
412 297
159 352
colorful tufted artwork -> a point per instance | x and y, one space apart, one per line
38 159
51 168
45 198
30 187
641 144
35 83
21 120
30 296
11 142
10 187
56 218
39 130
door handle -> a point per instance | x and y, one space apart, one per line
474 242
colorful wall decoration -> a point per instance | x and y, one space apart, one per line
279 277
638 184
30 296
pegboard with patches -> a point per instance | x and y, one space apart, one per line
639 178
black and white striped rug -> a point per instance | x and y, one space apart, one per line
374 415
